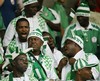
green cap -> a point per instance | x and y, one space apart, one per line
83 10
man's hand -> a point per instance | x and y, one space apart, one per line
72 61
62 63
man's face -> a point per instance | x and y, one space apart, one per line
32 9
50 40
35 43
86 73
83 21
69 48
23 29
21 63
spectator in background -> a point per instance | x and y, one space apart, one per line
52 18
59 58
94 6
89 32
31 9
58 7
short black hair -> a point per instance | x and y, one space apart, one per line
20 20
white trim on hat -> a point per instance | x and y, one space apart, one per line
36 34
29 2
83 8
83 14
80 43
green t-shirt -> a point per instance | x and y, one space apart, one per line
62 13
91 37
47 14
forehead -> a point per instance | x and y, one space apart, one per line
23 22
82 17
20 56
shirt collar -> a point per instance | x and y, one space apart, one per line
80 54
78 27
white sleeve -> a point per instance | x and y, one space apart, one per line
58 56
56 15
53 74
95 71
92 59
9 34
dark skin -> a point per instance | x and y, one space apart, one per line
31 9
35 43
1 68
20 65
22 28
62 63
55 27
70 49
50 40
51 44
84 74
83 21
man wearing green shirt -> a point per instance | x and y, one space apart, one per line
73 49
89 32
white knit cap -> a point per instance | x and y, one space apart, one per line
83 10
81 63
36 33
27 2
77 40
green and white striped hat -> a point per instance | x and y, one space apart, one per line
10 57
27 2
81 63
77 40
83 10
36 33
